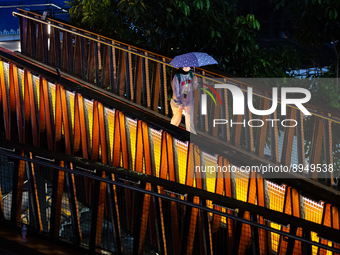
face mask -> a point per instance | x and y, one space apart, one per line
186 69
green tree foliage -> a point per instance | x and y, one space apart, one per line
174 27
316 22
278 61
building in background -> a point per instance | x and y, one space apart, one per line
9 25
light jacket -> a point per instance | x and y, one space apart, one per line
180 87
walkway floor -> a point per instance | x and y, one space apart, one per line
11 244
11 45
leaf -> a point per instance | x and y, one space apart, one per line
187 10
277 6
208 5
258 25
236 47
251 18
169 9
212 34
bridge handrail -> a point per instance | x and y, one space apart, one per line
227 202
262 95
143 77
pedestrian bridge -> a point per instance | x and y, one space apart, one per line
88 156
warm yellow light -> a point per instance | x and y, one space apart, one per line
70 96
156 140
89 110
111 125
313 212
53 95
182 152
241 179
276 201
133 132
36 89
21 73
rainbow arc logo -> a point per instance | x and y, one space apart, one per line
204 98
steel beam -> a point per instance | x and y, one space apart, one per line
323 231
288 139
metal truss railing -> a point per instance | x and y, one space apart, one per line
144 77
136 206
33 5
75 120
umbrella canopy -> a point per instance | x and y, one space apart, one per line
193 59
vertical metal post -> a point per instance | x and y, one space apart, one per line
328 150
186 226
45 43
147 92
274 137
33 39
115 220
33 196
248 129
57 47
128 75
73 203
23 34
162 89
96 63
113 67
83 57
300 139
288 139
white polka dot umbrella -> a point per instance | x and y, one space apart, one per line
193 59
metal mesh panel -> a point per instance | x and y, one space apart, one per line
245 236
155 143
52 92
132 137
26 216
44 195
84 189
241 180
70 99
6 182
107 233
281 133
49 187
308 125
111 126
294 154
139 211
182 157
276 201
209 162
66 231
336 151
36 89
21 82
313 212
125 211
